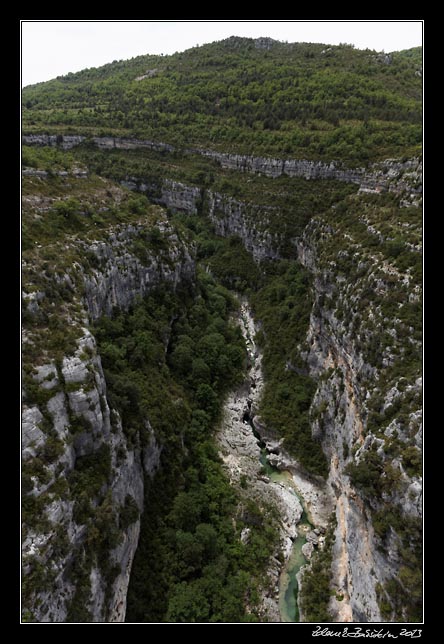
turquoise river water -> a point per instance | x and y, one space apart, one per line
288 585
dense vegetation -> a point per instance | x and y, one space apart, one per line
190 565
281 206
180 392
300 100
173 356
279 292
316 580
62 215
282 307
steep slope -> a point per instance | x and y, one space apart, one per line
364 346
82 477
109 280
296 100
279 154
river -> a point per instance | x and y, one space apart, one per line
246 460
288 584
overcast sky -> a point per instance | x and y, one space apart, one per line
54 48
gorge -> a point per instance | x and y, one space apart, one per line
247 457
222 346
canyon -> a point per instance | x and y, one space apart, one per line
313 449
358 565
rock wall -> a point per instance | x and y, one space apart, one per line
81 396
229 216
391 175
64 141
121 276
171 194
339 418
70 422
247 221
339 410
355 569
68 141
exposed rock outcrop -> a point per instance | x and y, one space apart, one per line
122 276
64 141
76 550
240 452
232 217
110 142
229 216
391 175
340 412
171 194
339 416
87 404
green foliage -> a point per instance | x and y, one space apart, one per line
280 206
366 475
39 577
207 400
75 206
315 590
282 306
232 264
78 610
129 513
141 382
188 547
280 298
304 100
173 356
61 217
91 472
53 448
33 506
412 461
401 597
47 159
35 394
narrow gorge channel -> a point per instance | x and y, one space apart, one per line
250 458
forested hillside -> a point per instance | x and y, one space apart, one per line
222 337
263 97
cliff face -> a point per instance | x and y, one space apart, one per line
172 194
249 222
229 216
362 349
354 348
369 475
121 276
392 175
66 141
83 478
56 544
356 566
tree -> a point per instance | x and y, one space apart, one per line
207 399
186 511
182 359
206 536
200 372
188 603
189 554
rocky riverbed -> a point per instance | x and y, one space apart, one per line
241 450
